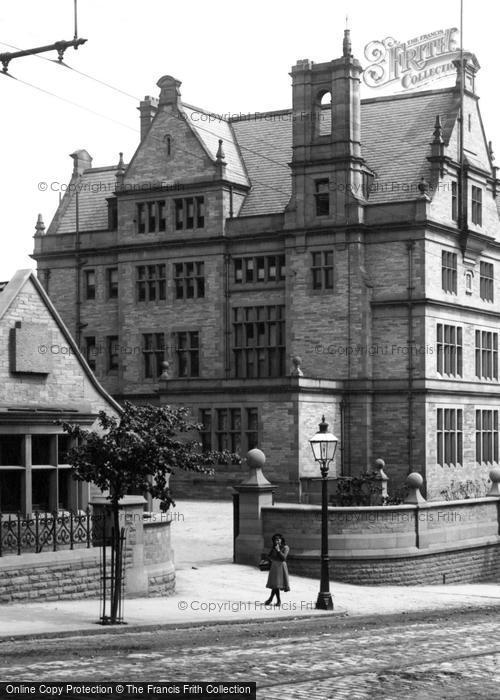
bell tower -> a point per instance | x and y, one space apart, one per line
329 176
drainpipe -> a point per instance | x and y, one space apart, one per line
78 334
227 324
342 433
411 367
347 398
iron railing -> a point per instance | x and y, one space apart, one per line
45 532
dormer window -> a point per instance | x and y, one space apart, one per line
322 196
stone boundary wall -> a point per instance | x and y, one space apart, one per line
75 574
46 576
432 543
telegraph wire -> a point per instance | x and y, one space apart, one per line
367 149
99 114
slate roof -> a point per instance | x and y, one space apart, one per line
94 186
396 132
266 147
209 132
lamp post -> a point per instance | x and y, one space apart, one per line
323 445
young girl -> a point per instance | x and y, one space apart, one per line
278 574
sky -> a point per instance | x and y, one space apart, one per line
230 57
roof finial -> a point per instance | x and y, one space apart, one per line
40 226
121 164
490 150
220 153
438 130
347 46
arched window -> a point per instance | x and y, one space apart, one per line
168 144
324 114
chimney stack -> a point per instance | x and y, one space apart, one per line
169 91
147 110
81 161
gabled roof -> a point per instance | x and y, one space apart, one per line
210 128
396 132
9 294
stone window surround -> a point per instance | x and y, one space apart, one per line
150 282
237 435
487 436
449 261
486 355
258 265
449 436
449 346
323 268
258 339
486 281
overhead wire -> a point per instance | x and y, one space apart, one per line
181 118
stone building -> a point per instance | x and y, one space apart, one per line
43 379
289 264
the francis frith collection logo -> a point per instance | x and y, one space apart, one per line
412 63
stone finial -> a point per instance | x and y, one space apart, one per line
438 131
414 481
121 164
120 170
39 226
495 482
381 476
220 155
490 150
256 460
379 467
347 45
165 367
296 371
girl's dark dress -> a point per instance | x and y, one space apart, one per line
278 574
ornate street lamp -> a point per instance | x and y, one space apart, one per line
323 446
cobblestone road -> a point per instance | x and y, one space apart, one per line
447 658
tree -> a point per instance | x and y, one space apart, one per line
137 452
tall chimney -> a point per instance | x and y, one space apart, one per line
169 91
81 161
147 110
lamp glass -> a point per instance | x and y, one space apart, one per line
324 446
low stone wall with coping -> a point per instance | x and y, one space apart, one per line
432 542
418 542
71 574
